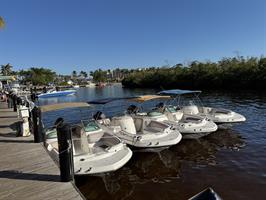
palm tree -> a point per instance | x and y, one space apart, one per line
83 73
2 23
6 69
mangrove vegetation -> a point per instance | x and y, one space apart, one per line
228 73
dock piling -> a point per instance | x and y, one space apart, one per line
65 152
14 99
36 115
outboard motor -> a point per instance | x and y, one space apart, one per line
160 107
132 109
99 115
58 121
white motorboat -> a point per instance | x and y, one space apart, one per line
139 130
54 93
222 117
94 150
190 126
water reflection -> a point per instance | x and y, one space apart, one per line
203 150
159 167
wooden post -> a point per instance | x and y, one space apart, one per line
65 152
36 116
19 101
9 101
14 99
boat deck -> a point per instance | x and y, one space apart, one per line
26 169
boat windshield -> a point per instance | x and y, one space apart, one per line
154 114
90 126
171 109
51 133
51 90
183 100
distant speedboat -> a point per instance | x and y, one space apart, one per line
222 117
75 86
54 93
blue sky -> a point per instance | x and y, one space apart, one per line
85 35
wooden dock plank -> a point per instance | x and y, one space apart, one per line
26 169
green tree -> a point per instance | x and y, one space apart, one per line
228 73
84 74
99 75
38 76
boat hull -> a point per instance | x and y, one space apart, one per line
194 131
112 161
227 121
57 94
88 164
150 142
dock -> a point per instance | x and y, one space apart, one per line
26 169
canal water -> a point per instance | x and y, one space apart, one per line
232 162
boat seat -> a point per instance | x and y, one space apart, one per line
80 141
205 110
125 122
155 127
192 120
178 115
94 136
170 116
105 121
152 129
220 111
93 131
109 140
138 124
192 110
175 116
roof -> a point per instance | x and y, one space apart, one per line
178 92
59 106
